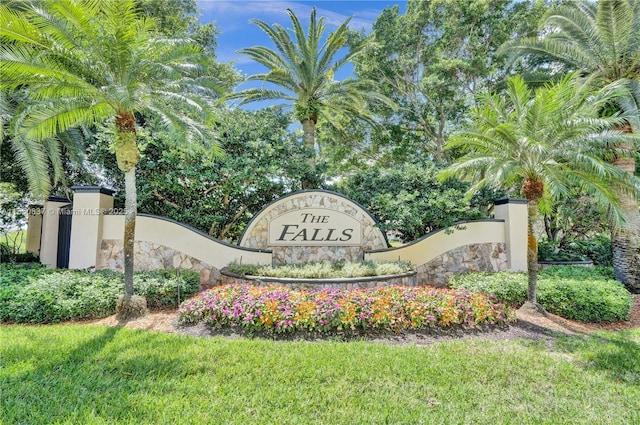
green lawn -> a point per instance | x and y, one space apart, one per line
16 240
82 374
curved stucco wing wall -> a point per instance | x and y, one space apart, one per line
438 243
180 238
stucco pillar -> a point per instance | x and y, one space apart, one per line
514 213
49 236
89 206
34 229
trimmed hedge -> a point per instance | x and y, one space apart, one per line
34 294
588 294
597 249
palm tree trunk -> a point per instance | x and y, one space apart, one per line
309 181
130 211
532 252
128 155
625 237
309 130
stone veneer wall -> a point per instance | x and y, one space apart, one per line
297 254
474 257
257 233
152 256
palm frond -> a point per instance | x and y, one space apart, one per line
555 136
32 158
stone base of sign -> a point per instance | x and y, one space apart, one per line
152 256
307 254
491 257
405 279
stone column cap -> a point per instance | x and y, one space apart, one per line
93 189
503 201
58 199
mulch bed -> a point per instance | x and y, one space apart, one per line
533 327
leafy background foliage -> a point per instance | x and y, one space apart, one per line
218 196
410 200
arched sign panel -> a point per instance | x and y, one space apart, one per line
313 226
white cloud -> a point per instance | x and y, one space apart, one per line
235 14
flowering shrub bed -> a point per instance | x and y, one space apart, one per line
277 309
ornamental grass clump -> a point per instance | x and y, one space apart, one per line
276 309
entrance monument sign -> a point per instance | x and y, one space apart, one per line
314 225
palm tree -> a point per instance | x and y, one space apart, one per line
83 62
303 70
542 143
603 42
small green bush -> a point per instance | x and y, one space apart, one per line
63 296
586 300
21 257
323 269
37 295
244 269
13 277
510 288
166 288
588 294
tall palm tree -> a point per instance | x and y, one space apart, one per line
303 68
542 143
603 42
83 62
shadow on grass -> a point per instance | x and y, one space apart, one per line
95 380
616 353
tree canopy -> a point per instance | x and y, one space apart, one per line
542 143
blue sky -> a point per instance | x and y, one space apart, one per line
232 19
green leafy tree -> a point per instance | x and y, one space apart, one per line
302 69
432 61
409 201
543 142
180 19
263 161
601 41
83 62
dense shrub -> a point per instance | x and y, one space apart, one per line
19 274
323 269
165 288
586 300
588 294
12 279
277 309
22 257
38 295
63 296
577 273
510 288
597 249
